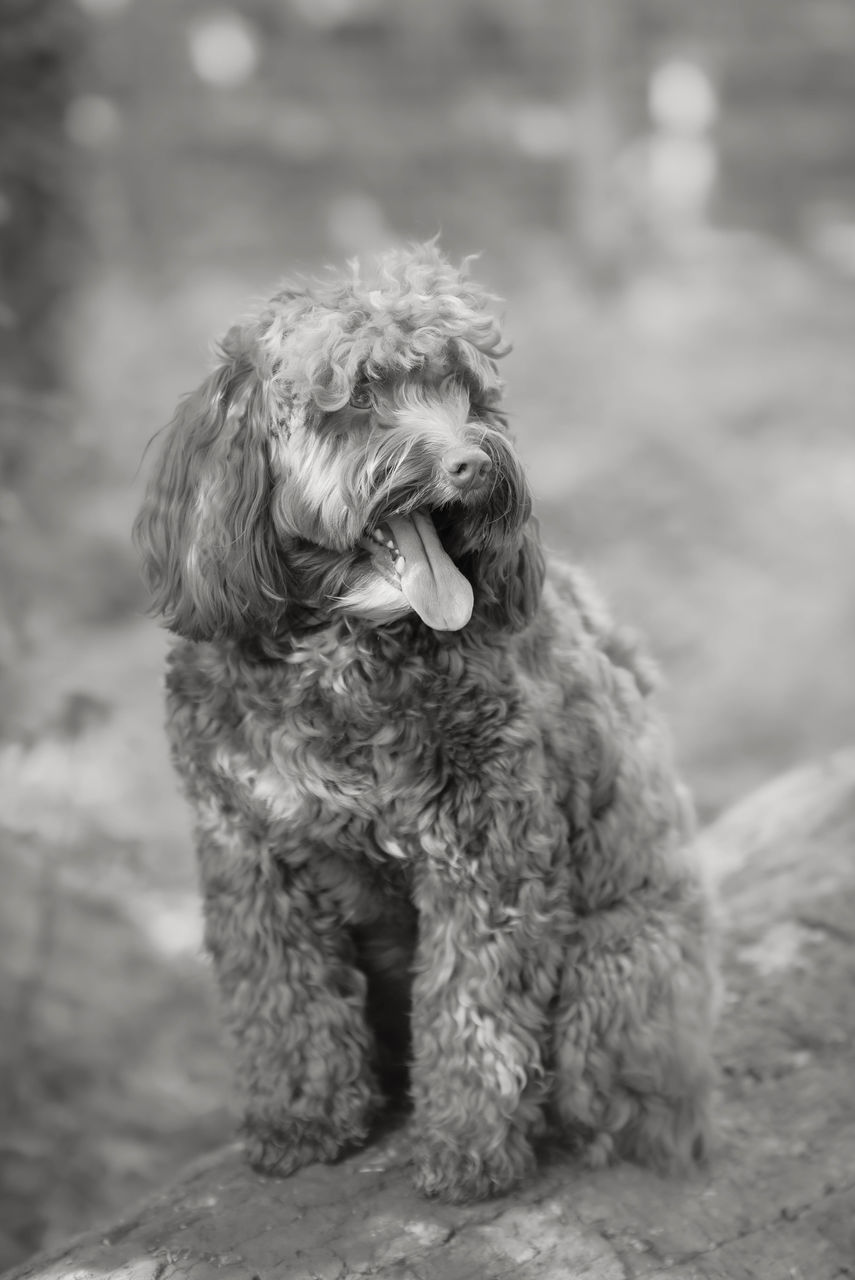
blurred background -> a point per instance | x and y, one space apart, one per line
663 192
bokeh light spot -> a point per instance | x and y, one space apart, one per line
224 50
682 97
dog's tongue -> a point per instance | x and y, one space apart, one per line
430 580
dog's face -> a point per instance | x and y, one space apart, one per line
348 456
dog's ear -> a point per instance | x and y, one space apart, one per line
508 579
204 532
506 565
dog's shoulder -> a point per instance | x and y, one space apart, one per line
576 616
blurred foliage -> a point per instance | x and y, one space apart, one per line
470 118
39 224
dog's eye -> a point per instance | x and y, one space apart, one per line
360 397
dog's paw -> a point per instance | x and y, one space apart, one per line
280 1149
279 1144
598 1152
459 1174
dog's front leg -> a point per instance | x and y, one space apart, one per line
292 999
486 969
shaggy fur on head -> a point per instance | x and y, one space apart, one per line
442 845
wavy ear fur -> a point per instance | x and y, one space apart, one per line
508 579
209 555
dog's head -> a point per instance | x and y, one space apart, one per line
348 456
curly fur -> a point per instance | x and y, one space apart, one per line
454 859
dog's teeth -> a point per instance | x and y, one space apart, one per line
383 540
400 565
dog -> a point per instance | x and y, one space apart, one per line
442 845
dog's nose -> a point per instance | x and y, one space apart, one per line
466 468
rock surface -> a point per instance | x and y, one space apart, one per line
777 1201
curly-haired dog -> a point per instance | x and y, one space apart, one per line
437 822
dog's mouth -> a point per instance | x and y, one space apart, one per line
407 550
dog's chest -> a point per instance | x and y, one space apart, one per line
363 746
